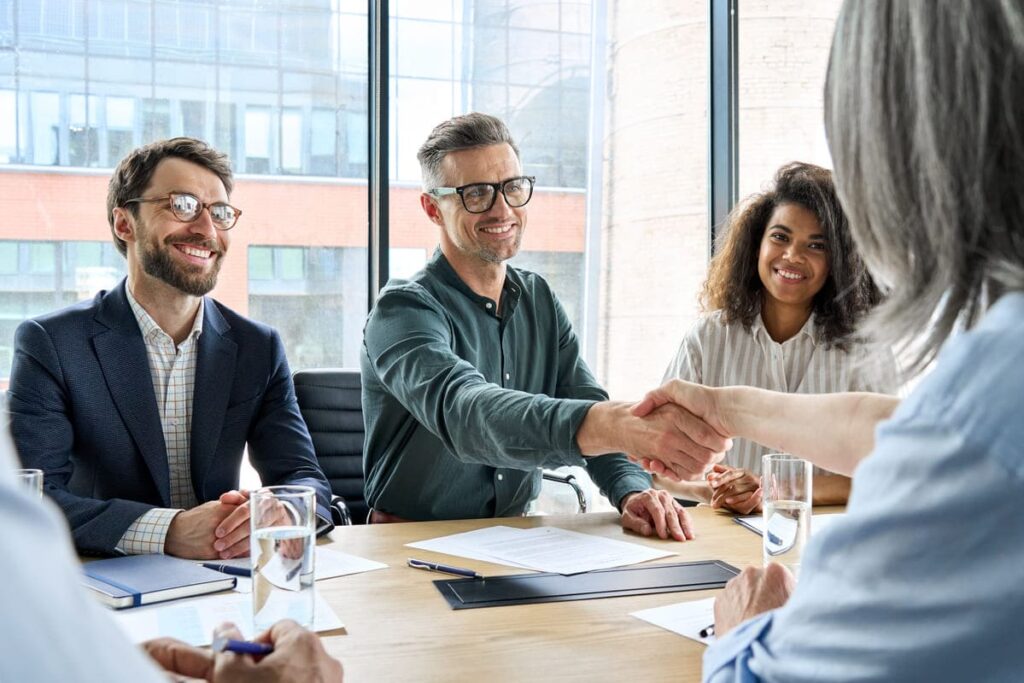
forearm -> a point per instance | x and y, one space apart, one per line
831 489
834 431
687 490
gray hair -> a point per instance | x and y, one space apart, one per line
922 109
462 132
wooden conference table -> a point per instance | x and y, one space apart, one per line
399 628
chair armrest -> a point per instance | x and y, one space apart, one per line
340 512
568 480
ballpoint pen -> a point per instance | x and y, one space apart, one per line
448 569
243 647
707 631
228 569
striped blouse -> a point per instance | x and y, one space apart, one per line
718 354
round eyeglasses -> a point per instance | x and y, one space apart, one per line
187 207
480 197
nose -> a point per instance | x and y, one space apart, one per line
203 223
500 206
795 253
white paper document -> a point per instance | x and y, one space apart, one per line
329 564
194 619
818 522
685 618
546 549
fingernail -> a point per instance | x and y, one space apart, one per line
219 545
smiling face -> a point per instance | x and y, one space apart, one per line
793 261
185 256
477 239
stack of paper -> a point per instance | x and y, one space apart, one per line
329 564
194 619
685 618
545 549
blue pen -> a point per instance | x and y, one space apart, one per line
447 569
228 569
242 647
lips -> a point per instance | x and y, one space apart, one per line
499 230
789 275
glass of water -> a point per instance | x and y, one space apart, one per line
282 544
31 480
786 484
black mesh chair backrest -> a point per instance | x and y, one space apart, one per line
331 403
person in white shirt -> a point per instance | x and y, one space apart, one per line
57 632
784 293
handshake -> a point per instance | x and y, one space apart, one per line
676 431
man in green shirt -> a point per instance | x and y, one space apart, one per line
472 378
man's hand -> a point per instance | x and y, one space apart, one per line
754 591
298 656
735 489
702 425
666 433
181 659
656 512
193 533
233 533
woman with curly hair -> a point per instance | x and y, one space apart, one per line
783 297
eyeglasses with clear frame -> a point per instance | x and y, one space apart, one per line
480 197
187 207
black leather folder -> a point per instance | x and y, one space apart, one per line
525 589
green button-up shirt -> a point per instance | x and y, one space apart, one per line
463 406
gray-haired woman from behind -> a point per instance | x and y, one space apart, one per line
921 580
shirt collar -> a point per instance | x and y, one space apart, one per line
512 288
148 326
810 330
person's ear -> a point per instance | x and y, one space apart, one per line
431 208
124 224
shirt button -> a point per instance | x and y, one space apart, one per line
508 376
488 305
500 476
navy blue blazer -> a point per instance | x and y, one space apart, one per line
83 410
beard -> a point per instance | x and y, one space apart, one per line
156 261
489 254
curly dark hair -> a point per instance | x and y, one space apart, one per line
733 284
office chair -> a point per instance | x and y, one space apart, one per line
330 401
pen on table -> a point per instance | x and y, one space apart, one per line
242 647
228 569
448 569
707 631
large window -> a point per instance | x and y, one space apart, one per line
783 53
275 85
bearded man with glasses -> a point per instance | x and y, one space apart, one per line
137 405
472 378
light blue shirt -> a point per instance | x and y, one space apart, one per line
923 579
53 630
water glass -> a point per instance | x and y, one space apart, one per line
32 480
786 484
282 544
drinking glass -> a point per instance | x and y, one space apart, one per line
282 543
32 480
786 485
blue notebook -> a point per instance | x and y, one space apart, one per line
143 579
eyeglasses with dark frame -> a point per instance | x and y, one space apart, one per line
187 207
480 197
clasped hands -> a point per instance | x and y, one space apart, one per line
216 529
686 435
